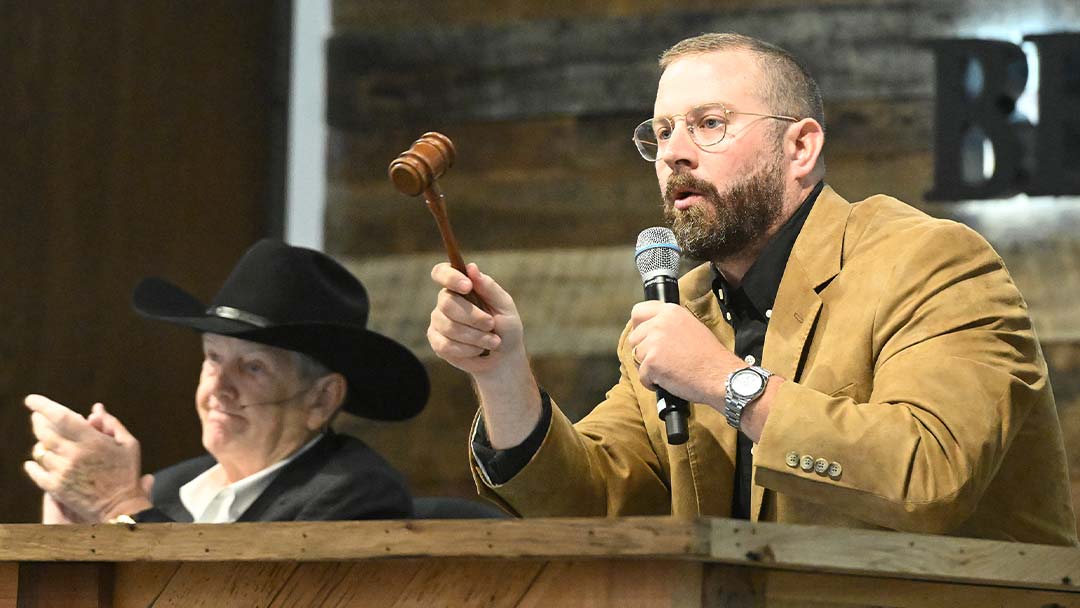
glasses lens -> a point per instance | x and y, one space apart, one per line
710 124
646 141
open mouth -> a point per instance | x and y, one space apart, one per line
685 193
683 198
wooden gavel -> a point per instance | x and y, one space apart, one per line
415 171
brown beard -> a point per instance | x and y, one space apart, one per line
725 225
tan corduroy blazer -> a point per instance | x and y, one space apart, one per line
913 367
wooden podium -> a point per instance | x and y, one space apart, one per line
654 562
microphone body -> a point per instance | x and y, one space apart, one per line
657 259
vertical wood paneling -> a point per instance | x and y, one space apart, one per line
213 585
65 585
139 584
665 584
9 584
136 143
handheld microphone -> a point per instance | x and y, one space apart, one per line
657 259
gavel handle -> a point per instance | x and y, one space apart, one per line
436 202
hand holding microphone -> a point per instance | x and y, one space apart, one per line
657 259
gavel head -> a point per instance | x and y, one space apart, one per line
414 170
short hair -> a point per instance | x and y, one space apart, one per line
788 88
308 368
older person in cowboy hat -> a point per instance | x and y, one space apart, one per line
285 347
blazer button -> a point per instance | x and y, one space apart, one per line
820 466
835 470
807 463
792 459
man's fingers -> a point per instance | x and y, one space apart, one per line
41 455
40 476
452 349
491 292
110 425
643 311
459 310
44 431
64 421
449 278
464 333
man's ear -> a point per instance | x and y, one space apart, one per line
327 394
803 144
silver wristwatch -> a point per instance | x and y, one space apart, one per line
743 386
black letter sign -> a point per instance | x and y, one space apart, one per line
963 106
1057 140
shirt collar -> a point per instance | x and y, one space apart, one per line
762 280
210 500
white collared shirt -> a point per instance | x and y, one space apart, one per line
211 501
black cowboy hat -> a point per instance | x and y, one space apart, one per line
301 300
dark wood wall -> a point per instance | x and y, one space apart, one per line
549 193
136 141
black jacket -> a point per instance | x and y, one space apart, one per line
339 478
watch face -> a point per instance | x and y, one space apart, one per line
746 382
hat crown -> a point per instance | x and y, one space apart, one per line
301 300
286 285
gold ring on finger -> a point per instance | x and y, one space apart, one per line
38 453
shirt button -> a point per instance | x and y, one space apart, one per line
835 470
768 314
792 459
720 294
727 315
750 360
820 466
807 463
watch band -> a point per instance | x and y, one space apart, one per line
734 402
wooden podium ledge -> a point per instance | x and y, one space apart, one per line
844 553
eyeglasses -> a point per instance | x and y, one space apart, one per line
706 123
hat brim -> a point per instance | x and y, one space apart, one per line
386 381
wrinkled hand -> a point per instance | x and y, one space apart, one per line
89 468
459 331
678 352
53 512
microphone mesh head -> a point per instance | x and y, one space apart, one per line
657 250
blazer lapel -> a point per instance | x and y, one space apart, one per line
707 310
815 259
280 499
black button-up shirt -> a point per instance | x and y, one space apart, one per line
747 308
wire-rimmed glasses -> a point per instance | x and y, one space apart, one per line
706 123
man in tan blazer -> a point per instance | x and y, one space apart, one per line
852 364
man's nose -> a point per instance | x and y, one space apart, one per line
680 150
222 384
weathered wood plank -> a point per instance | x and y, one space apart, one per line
911 556
657 584
67 585
225 584
804 589
384 14
562 205
576 301
774 546
591 144
584 66
347 584
470 583
320 541
9 584
139 584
